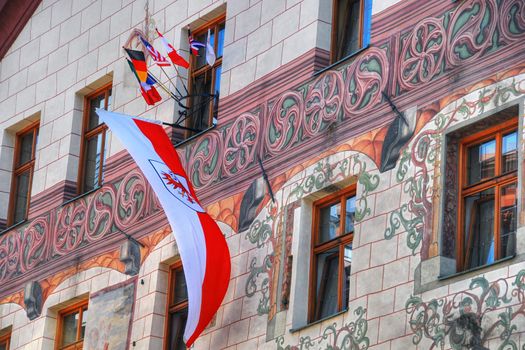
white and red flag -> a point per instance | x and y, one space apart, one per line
172 53
201 244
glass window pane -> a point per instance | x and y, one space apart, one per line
22 191
350 214
327 264
94 103
508 220
329 223
176 329
346 277
3 346
348 26
83 323
509 157
93 159
69 328
220 43
26 148
481 161
200 60
479 229
200 104
180 292
216 91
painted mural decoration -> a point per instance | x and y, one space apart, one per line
267 230
109 318
351 336
121 206
333 103
498 308
420 161
432 48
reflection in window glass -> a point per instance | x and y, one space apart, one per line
479 229
481 161
327 280
347 268
510 152
508 221
348 28
329 222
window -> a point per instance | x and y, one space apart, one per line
331 256
350 27
93 141
71 325
205 80
24 164
177 308
4 341
488 166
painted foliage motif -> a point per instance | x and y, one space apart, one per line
498 307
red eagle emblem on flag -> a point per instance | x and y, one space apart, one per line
177 185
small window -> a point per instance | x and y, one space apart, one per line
93 141
350 27
488 167
177 308
333 233
4 341
205 80
71 326
24 164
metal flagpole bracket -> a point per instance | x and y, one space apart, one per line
394 108
131 238
265 177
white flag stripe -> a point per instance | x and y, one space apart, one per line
187 220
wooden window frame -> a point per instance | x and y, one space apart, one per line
89 134
193 72
340 241
19 169
496 182
79 307
6 339
333 38
172 307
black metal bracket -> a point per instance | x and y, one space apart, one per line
177 126
394 108
131 238
265 177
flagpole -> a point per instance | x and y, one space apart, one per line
179 76
168 91
171 81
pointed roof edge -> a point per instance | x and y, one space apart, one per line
14 15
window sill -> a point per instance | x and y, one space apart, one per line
85 194
293 330
466 272
342 60
18 224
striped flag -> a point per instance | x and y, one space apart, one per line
139 63
200 242
160 60
147 90
194 44
172 53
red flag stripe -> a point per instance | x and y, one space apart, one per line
218 265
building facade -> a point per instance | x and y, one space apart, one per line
405 115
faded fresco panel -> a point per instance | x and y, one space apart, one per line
109 319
